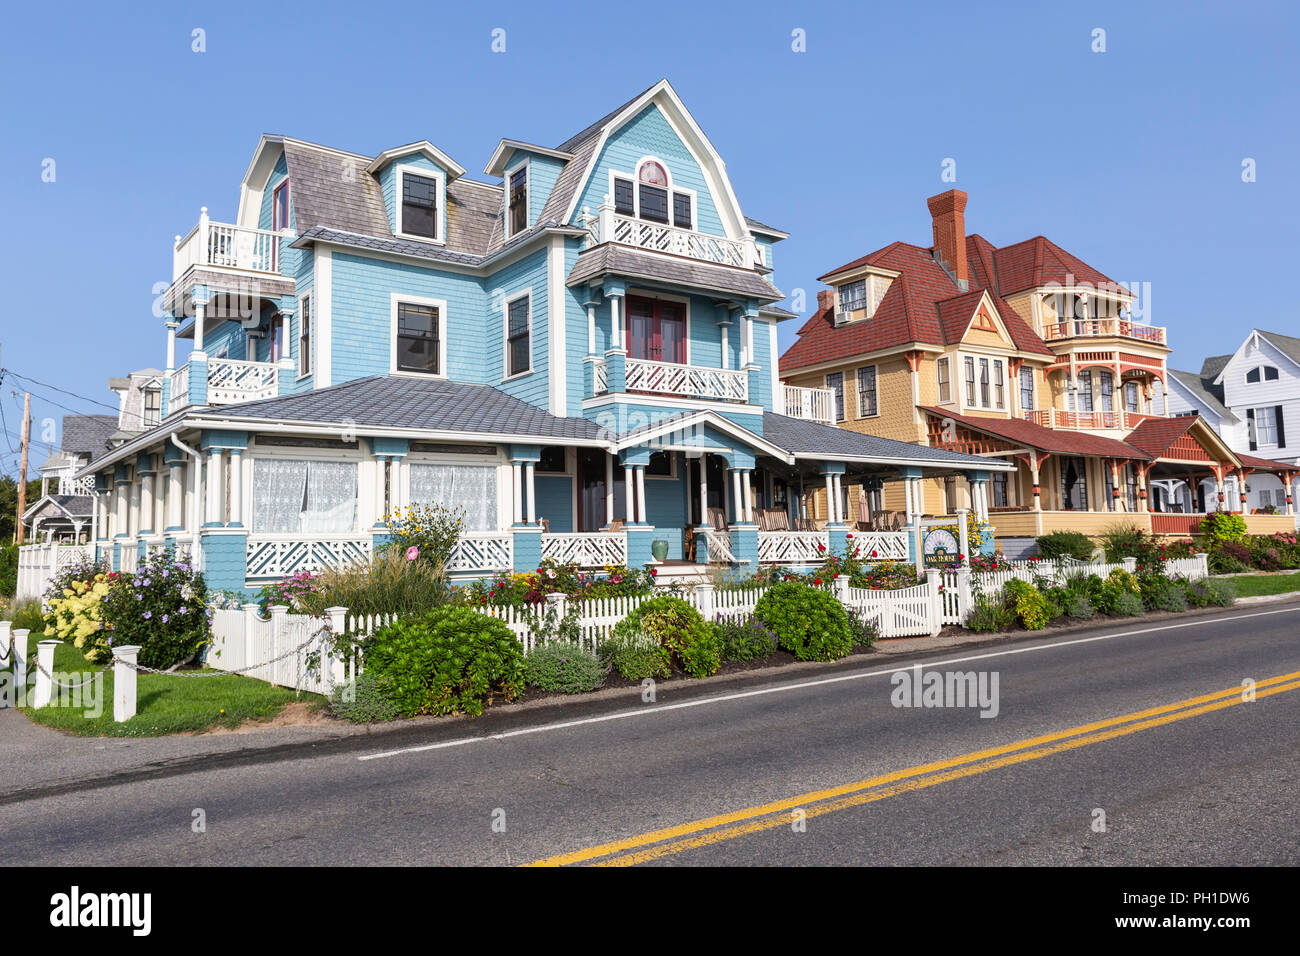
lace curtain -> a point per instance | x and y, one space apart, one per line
304 496
471 487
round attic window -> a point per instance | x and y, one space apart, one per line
652 174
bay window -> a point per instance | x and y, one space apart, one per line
970 381
1131 396
1107 391
1084 391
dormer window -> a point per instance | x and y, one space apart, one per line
152 407
517 213
418 216
651 196
1266 373
853 296
653 192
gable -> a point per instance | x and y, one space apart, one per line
986 328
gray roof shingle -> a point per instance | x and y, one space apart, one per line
87 434
1202 388
383 401
621 260
803 437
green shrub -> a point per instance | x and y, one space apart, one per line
1131 542
8 570
1229 557
446 660
692 643
745 638
1065 544
1222 526
1079 608
1161 594
162 607
865 632
26 615
636 655
810 624
387 584
364 701
564 668
1029 604
1127 604
989 615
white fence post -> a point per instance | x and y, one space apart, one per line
705 600
44 673
252 614
124 682
331 667
1203 559
1130 565
278 611
18 656
932 580
6 656
964 599
963 542
840 588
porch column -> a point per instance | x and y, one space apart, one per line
1144 505
517 473
609 489
640 495
748 484
380 471
172 326
918 498
1241 491
1033 477
1114 485
1219 496
1287 479
529 473
199 307
832 506
212 518
907 499
144 520
235 489
629 484
704 491
122 483
175 496
615 322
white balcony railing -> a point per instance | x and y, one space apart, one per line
77 487
792 547
222 245
229 382
270 557
1096 328
682 381
813 404
610 226
594 549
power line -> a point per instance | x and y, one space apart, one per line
84 398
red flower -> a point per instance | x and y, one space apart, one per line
849 537
874 554
817 581
961 557
821 547
654 573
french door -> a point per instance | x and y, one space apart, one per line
656 330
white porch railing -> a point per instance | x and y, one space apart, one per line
483 551
77 487
586 549
814 404
231 381
178 391
268 557
881 545
719 547
225 246
685 381
660 237
39 563
792 547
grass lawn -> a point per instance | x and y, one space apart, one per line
1255 585
166 704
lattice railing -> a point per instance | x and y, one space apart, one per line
792 547
230 381
668 378
660 237
278 557
77 487
586 549
881 545
719 547
482 551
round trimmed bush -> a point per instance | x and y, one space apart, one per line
808 621
364 701
681 630
636 655
563 667
445 661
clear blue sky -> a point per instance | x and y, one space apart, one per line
1130 158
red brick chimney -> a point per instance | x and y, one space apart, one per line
948 212
825 300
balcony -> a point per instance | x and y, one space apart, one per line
1101 328
222 246
610 226
221 381
668 378
812 404
77 487
1060 418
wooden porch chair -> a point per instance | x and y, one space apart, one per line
717 520
616 525
774 519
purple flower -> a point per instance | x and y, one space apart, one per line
183 610
164 618
137 597
148 614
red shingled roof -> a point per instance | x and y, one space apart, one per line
1155 435
922 305
1265 464
1037 262
1062 441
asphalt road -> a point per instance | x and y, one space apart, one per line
1083 724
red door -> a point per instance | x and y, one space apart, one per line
656 330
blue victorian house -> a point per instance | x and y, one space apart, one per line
580 353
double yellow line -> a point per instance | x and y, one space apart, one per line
727 826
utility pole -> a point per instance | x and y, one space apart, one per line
22 467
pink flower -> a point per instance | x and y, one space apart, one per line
412 553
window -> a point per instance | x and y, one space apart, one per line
853 296
999 497
1131 396
469 487
682 210
984 382
304 338
519 357
945 386
660 465
623 202
419 216
552 461
867 391
1267 372
294 496
1084 391
1131 487
1107 391
1264 422
417 338
652 193
835 382
277 337
656 330
518 217
970 381
1026 388
1074 485
152 407
999 385
279 218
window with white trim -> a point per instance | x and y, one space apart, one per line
419 195
986 381
517 188
1265 420
835 382
418 338
1026 388
304 338
867 405
650 195
519 356
942 368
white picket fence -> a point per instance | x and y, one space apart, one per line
277 649
38 564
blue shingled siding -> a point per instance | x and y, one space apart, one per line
555 501
503 285
665 504
575 332
762 395
289 259
361 317
649 134
229 335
